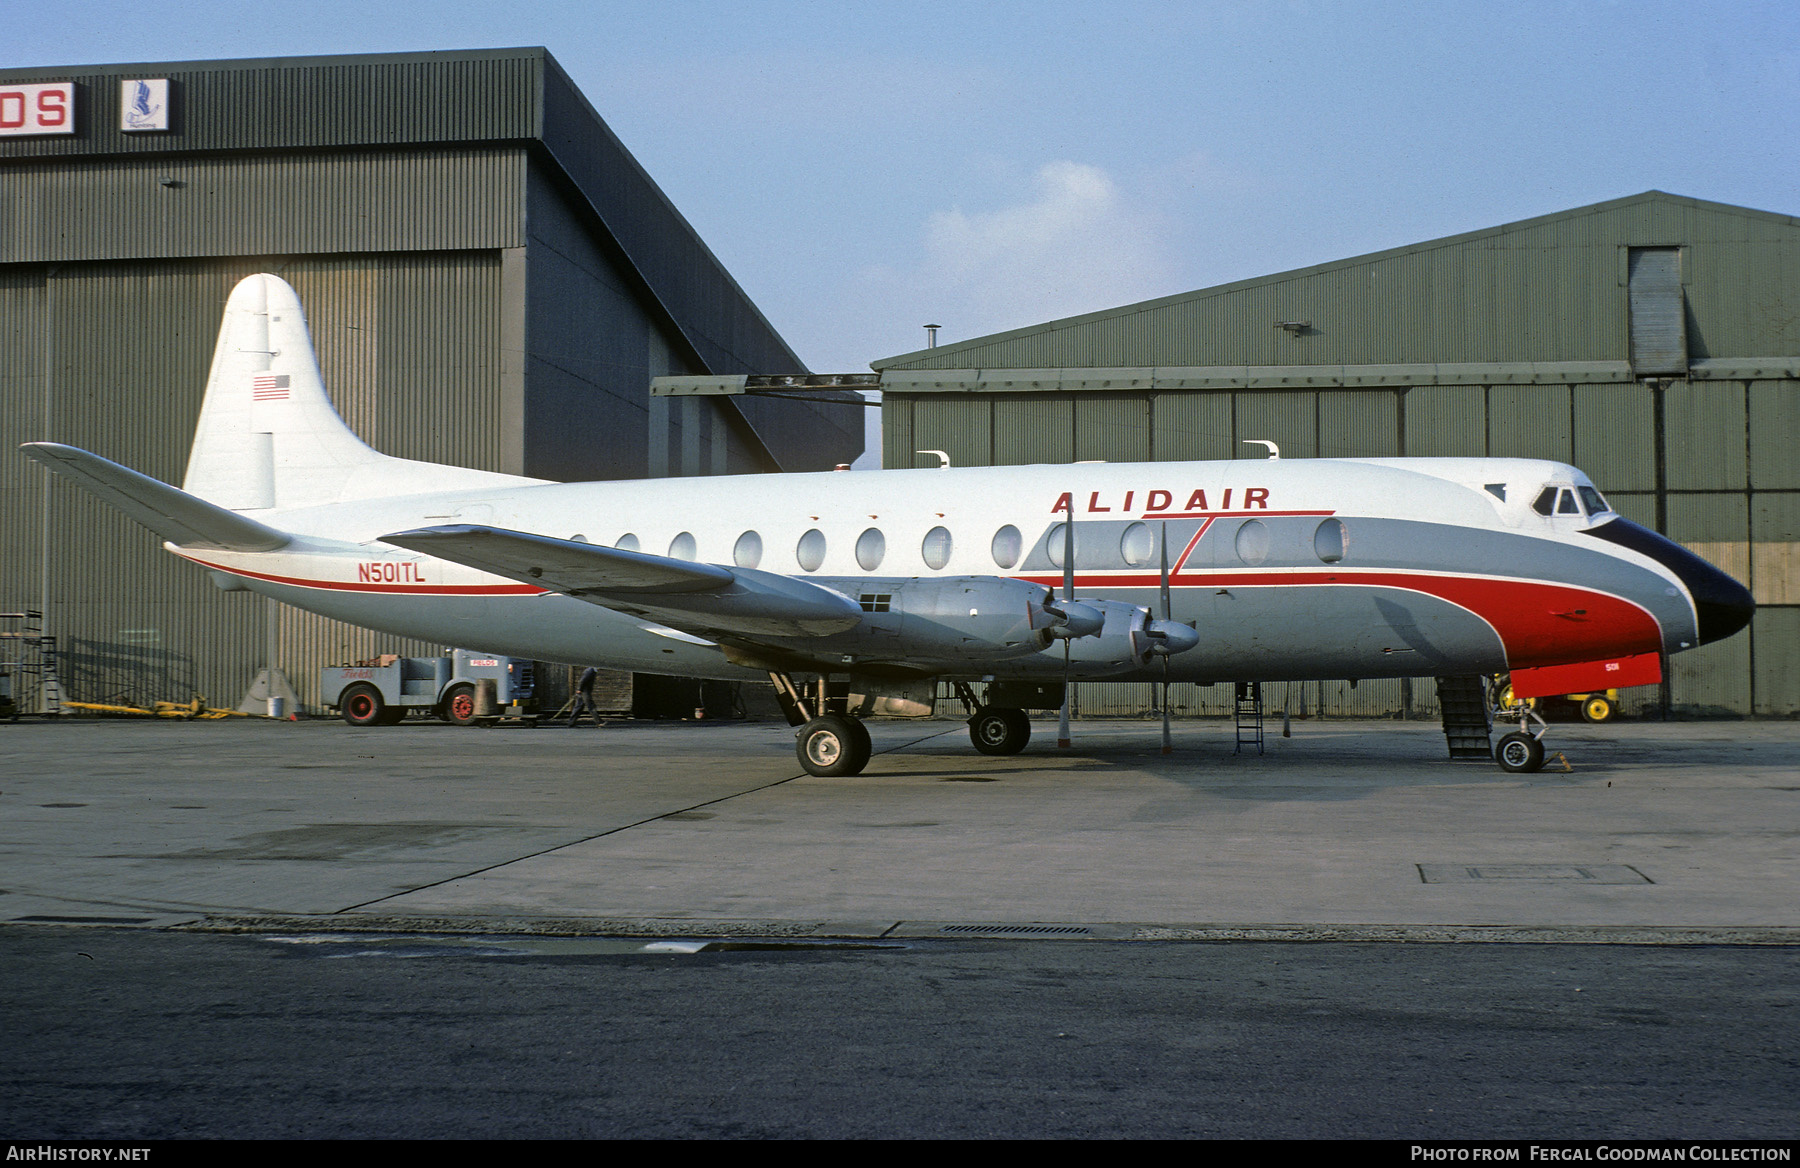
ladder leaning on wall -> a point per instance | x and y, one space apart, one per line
26 653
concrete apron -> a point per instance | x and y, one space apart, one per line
1661 833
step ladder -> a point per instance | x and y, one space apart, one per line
29 653
1467 721
1249 716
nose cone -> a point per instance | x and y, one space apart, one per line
1079 620
1722 605
1175 636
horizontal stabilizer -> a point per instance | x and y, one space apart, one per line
180 518
694 597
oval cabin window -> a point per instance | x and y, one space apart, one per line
871 549
936 548
1138 545
1329 541
682 547
627 543
1008 543
747 552
810 551
1253 541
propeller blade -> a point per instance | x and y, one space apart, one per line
1069 556
1063 741
1167 746
1165 570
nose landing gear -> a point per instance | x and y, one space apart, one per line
1522 750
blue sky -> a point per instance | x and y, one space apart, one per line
865 168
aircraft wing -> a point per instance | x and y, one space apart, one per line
183 519
693 597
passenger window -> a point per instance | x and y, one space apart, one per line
871 549
578 538
682 547
1008 543
747 552
936 548
627 543
810 551
1330 541
1053 543
1253 541
1138 545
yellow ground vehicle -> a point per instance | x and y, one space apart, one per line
1600 706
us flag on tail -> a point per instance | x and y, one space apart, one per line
269 387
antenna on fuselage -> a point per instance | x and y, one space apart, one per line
1274 450
943 457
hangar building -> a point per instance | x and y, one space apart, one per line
491 279
1654 341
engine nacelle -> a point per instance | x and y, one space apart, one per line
954 620
1129 639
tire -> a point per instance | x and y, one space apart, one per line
458 706
833 746
361 705
999 730
1598 708
1519 753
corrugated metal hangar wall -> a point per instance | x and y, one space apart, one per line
491 281
1653 341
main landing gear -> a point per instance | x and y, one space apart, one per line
994 729
830 741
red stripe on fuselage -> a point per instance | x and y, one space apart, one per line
1539 623
385 589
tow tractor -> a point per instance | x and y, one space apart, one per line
380 691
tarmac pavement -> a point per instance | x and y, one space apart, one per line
1660 832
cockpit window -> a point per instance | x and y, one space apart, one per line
1545 504
1497 490
1591 498
1565 503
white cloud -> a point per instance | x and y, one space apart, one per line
1077 244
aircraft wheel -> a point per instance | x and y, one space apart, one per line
999 730
1598 708
362 706
833 746
1519 753
458 706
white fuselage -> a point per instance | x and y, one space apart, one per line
1429 565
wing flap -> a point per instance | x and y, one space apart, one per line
708 599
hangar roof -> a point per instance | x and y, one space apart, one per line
1547 289
518 96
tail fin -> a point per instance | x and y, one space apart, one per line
269 436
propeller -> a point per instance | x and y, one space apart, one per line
1063 741
1163 540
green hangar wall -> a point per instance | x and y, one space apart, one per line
490 277
1653 341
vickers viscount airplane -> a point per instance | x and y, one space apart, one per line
1198 571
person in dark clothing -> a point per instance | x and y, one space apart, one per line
584 697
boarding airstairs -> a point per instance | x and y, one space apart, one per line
1249 716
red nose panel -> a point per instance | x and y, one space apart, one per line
1587 676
